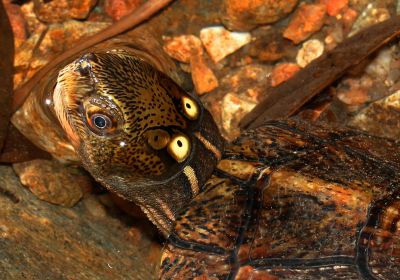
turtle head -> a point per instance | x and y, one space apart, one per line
137 132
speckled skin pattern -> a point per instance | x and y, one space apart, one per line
140 104
285 201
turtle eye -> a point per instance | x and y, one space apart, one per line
179 147
158 139
190 108
100 123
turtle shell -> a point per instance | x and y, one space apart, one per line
293 201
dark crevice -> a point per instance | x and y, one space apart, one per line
8 194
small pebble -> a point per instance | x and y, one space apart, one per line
182 47
203 77
369 16
354 91
61 10
242 15
380 67
234 108
310 50
220 42
380 118
307 20
283 72
348 19
120 8
52 181
334 7
58 38
94 206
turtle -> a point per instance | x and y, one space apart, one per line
286 200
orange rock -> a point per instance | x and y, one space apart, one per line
307 20
52 181
334 7
283 72
349 17
203 77
61 10
182 47
120 8
354 92
244 15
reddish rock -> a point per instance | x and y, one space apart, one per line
348 18
245 15
120 8
354 92
38 239
58 38
307 20
61 10
334 7
283 72
52 181
203 77
182 47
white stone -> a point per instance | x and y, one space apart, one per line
310 50
220 42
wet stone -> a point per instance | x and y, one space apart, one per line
354 91
369 16
283 72
242 15
47 44
220 42
69 243
34 25
310 50
307 20
61 10
182 47
203 77
241 90
380 118
120 8
334 7
52 181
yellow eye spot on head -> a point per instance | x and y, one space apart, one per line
190 108
158 139
179 147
